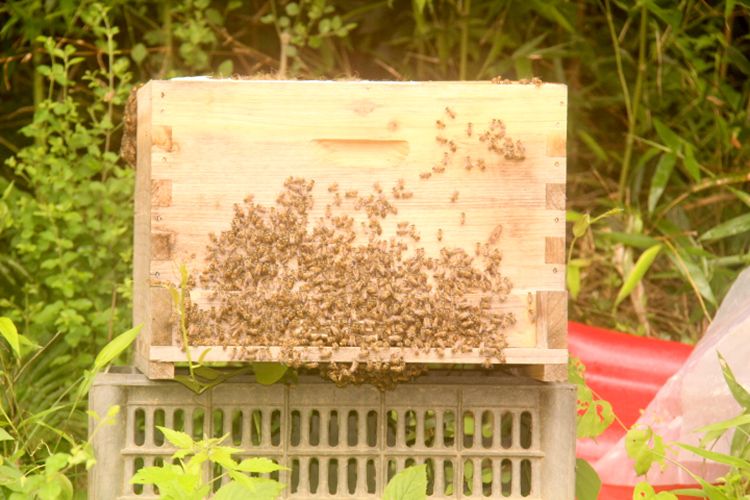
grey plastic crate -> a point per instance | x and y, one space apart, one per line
346 442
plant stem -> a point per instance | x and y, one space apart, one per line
465 16
634 105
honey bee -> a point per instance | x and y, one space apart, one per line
351 194
463 218
440 235
450 113
481 164
495 234
468 165
441 139
425 175
333 187
468 129
438 169
454 197
452 146
439 124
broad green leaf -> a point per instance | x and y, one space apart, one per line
10 334
4 436
257 487
409 484
638 447
717 457
573 280
232 491
115 347
177 438
732 227
636 274
55 462
660 179
596 418
644 491
588 482
269 373
741 395
259 464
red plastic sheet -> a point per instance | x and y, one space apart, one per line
627 371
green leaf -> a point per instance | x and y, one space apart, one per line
638 447
691 164
631 239
741 395
660 179
292 9
636 274
573 280
4 436
177 438
717 429
644 491
260 465
593 146
732 227
608 213
581 225
596 418
693 272
409 484
717 457
670 139
226 68
588 482
138 53
115 347
232 491
257 488
269 373
10 334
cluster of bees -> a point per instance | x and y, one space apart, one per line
494 137
277 278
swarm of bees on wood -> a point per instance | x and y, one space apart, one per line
279 278
274 282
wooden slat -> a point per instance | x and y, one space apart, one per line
514 356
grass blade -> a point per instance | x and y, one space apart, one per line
636 274
660 179
732 227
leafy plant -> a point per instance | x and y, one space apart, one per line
646 448
38 429
185 479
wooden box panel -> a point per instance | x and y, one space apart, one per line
205 145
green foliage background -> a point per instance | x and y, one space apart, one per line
659 126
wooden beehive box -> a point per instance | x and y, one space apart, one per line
476 166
